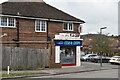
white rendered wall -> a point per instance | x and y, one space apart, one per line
78 61
57 54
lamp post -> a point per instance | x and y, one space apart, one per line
102 29
101 51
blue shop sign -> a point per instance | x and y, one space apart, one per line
68 43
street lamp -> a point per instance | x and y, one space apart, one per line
102 29
101 51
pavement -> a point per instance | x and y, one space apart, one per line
64 70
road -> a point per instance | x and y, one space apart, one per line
91 64
95 74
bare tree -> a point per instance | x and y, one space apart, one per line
101 43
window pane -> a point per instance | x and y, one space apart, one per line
65 26
11 22
37 25
70 26
42 25
3 21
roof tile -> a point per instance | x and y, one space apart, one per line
37 10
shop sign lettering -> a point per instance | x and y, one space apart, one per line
68 43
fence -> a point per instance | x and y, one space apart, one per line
24 58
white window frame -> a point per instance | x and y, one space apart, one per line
8 22
68 27
40 26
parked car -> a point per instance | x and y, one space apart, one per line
97 59
115 60
88 57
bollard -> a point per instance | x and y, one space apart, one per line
8 70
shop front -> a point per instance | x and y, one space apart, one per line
67 51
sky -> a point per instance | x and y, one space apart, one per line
96 13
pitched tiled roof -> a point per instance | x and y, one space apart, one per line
37 10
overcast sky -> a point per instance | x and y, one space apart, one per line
96 13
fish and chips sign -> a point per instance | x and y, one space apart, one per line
68 43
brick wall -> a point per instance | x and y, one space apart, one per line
55 28
27 33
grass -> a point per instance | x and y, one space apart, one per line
19 74
20 69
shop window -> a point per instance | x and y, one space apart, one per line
67 55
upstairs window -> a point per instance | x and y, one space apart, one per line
7 22
68 26
40 26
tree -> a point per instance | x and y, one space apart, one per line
101 43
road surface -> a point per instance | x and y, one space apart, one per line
93 74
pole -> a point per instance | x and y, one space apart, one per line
101 51
8 70
17 24
101 59
100 31
101 46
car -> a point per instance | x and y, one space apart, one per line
97 59
87 57
115 60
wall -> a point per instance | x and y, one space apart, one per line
27 33
54 28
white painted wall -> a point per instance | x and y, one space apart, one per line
57 54
78 61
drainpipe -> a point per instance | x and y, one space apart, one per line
47 34
17 39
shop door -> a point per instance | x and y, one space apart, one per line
68 55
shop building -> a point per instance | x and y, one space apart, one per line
67 49
41 26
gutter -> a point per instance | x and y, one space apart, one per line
54 20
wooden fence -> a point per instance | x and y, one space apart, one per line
24 58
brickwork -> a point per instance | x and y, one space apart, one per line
27 33
55 28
